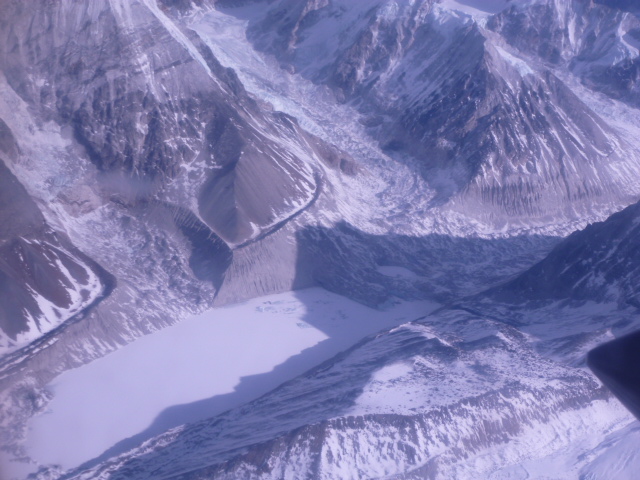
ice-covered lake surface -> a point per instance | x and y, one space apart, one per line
200 367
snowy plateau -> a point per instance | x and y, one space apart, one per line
317 239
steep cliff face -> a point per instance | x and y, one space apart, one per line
596 41
600 263
470 93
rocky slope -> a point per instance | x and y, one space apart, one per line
470 92
44 279
600 263
116 89
597 41
118 150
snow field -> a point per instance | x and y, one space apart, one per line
202 366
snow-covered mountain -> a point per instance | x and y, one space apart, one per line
162 157
142 128
597 41
478 100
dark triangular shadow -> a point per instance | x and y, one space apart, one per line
617 365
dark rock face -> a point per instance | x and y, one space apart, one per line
540 29
210 257
8 144
439 87
600 263
37 270
136 119
620 81
18 212
597 41
615 363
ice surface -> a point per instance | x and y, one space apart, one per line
212 361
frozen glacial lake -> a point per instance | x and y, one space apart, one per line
200 367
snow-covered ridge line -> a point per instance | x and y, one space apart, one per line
56 292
